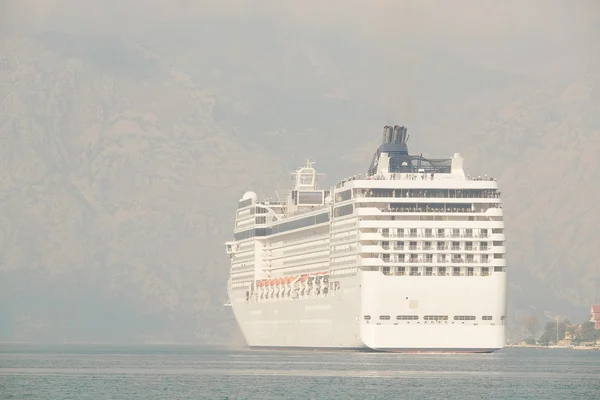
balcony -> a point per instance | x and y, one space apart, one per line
370 211
369 248
446 194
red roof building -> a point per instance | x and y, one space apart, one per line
595 311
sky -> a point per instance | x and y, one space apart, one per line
483 18
487 32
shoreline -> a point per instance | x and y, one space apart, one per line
534 346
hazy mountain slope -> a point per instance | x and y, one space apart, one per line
322 93
119 172
545 150
114 179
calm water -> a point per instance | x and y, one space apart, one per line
152 372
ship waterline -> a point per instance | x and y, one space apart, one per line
408 258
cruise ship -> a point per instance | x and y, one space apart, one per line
409 257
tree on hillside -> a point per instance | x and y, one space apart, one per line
588 333
549 335
531 325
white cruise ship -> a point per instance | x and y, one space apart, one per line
409 257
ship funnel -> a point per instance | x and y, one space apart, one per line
393 151
394 138
387 134
401 136
394 135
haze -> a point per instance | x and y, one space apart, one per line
129 130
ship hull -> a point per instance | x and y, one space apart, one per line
338 322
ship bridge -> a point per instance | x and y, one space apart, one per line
392 156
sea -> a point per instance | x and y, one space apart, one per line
148 372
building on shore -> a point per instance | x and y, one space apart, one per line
595 312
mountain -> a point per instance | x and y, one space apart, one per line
113 183
546 148
122 161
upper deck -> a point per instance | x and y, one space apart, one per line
393 173
425 181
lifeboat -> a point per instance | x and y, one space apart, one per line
304 278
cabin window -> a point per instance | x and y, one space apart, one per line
343 210
464 318
343 196
435 318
